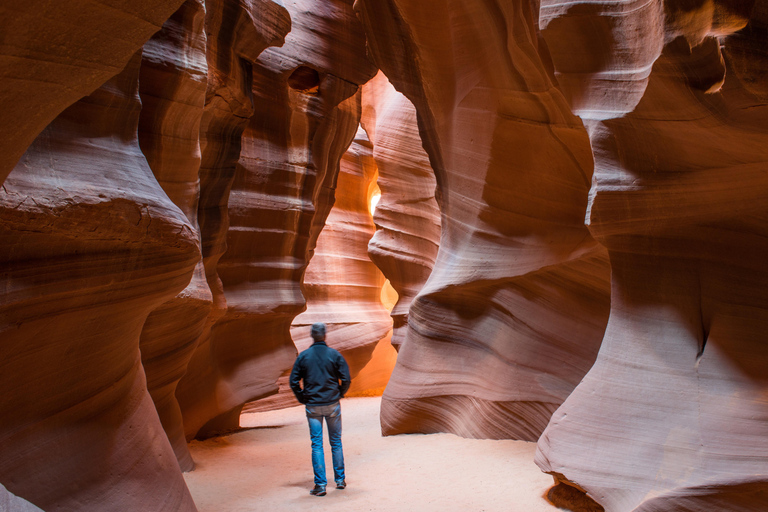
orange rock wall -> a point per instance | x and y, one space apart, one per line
54 53
304 118
342 286
407 216
172 87
673 415
91 245
237 33
513 312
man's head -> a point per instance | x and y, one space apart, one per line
318 331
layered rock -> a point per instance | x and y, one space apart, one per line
512 315
342 286
91 245
407 216
305 116
237 33
673 415
54 53
172 88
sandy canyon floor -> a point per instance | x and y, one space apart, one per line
267 467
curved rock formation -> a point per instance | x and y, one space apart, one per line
342 286
172 87
237 33
304 119
54 53
673 414
91 245
512 315
407 217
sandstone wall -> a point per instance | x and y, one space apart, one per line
341 285
54 53
407 216
672 416
172 87
237 33
513 312
91 245
304 118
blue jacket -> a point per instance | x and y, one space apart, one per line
325 374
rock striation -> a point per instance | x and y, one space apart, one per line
342 286
672 416
407 216
237 33
513 312
304 116
172 87
91 245
54 53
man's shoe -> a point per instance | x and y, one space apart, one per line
319 490
341 485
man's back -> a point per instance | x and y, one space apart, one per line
325 374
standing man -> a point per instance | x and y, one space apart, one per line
326 378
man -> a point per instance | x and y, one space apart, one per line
326 378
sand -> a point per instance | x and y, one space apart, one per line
267 467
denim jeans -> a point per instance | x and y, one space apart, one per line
332 415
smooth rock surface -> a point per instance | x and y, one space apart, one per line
237 33
54 53
172 87
513 312
91 245
407 216
673 414
305 114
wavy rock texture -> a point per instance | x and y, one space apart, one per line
237 32
512 315
407 216
342 286
54 53
91 245
673 414
305 117
172 88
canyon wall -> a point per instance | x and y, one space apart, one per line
304 116
407 216
342 286
237 33
673 415
513 312
91 245
172 86
54 53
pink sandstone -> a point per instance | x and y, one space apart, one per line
513 312
407 216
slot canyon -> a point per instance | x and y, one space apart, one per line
540 221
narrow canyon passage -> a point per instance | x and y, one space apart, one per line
564 279
267 467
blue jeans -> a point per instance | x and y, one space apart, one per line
332 415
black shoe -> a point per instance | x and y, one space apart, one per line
341 485
319 490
